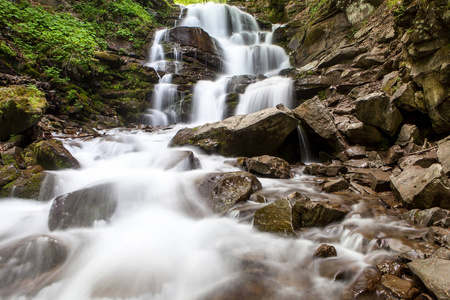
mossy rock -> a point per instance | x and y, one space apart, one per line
275 218
8 173
52 155
26 187
21 107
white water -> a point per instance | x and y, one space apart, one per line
163 242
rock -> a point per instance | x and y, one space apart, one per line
28 187
390 81
8 173
364 134
249 135
380 181
422 188
423 161
325 170
183 160
378 110
268 165
405 98
196 43
316 116
394 154
21 107
318 214
438 235
30 264
443 153
335 185
52 155
367 61
325 251
364 286
111 59
434 274
356 152
223 190
391 267
400 288
408 134
435 216
83 207
275 218
339 56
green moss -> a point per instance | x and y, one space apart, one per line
6 50
27 98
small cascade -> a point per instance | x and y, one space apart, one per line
305 148
206 110
157 56
264 94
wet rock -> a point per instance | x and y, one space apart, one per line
364 134
325 251
423 161
434 274
83 208
394 154
443 154
196 43
364 286
400 288
318 214
314 114
275 218
249 135
52 155
380 181
335 185
439 235
183 160
223 190
7 174
30 264
422 188
249 286
28 187
325 170
378 110
21 107
391 267
435 216
268 166
441 253
356 152
408 134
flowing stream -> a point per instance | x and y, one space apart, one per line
163 242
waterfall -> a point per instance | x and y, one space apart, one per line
305 148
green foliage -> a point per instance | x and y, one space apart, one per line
123 19
42 34
54 74
316 7
6 50
397 7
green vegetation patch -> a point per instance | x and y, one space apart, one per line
42 34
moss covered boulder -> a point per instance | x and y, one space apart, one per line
275 218
28 187
21 107
52 155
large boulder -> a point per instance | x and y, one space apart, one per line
30 264
364 134
28 187
316 116
435 216
21 107
52 155
434 274
196 43
83 207
255 134
378 110
275 218
223 190
266 165
422 188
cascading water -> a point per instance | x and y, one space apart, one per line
163 242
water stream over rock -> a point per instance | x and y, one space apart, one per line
142 229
